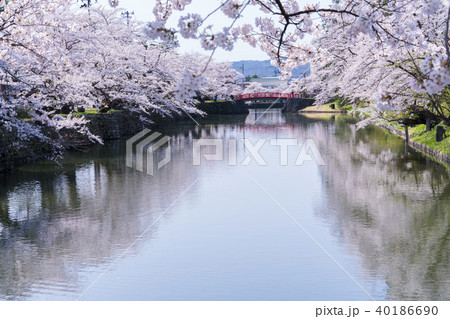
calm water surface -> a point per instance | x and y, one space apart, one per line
372 223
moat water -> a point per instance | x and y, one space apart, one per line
372 223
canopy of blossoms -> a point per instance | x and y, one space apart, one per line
405 40
55 55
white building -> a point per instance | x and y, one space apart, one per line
270 82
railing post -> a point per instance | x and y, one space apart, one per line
406 134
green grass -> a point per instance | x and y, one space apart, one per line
210 101
327 108
90 111
419 134
393 125
347 107
319 116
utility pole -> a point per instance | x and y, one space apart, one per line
86 3
243 73
128 15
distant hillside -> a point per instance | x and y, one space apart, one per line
265 69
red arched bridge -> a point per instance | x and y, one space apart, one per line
268 95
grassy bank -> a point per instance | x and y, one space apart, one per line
91 111
326 108
420 139
420 135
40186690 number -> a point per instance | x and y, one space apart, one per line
404 310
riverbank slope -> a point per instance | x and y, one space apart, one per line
425 142
418 137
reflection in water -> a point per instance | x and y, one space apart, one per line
393 207
263 117
382 212
25 201
70 218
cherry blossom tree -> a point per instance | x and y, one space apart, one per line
396 31
392 80
254 87
29 61
57 57
219 79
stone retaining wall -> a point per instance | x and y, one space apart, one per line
295 105
226 107
108 126
30 151
113 126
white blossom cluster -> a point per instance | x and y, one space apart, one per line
164 8
245 31
231 8
179 5
255 87
224 40
438 75
406 65
157 30
292 6
384 101
364 24
431 6
188 25
188 85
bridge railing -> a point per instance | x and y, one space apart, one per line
268 95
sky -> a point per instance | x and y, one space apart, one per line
242 51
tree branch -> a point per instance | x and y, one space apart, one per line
447 48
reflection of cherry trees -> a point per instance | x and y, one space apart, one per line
387 206
58 221
392 209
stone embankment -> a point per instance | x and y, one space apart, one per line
108 126
223 107
13 153
295 105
